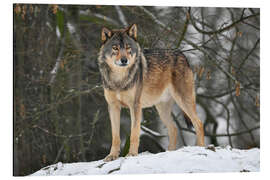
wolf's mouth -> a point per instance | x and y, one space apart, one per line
121 62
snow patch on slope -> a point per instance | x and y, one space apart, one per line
184 160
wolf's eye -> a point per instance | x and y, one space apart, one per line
128 48
115 48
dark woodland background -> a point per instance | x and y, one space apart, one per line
60 113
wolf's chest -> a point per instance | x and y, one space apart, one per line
148 98
125 98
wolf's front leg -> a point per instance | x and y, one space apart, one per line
114 110
136 113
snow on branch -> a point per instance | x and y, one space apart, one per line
58 61
149 131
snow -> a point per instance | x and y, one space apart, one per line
58 34
71 28
150 131
184 160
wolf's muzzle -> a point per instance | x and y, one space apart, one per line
122 62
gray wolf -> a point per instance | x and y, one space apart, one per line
135 79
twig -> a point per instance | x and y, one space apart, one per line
58 135
212 60
227 120
184 29
105 18
225 93
67 98
210 119
58 61
60 151
251 25
248 54
222 29
223 135
154 18
151 132
95 119
241 119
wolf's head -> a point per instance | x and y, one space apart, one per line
120 59
119 47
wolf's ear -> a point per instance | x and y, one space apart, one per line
132 31
105 34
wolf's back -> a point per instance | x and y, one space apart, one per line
163 54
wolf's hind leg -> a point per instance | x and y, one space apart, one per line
136 114
184 95
164 110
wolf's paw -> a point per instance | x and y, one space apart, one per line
171 148
110 157
132 154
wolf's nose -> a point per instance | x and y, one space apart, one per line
124 60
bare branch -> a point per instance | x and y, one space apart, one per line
248 54
224 135
155 19
106 18
151 132
184 29
59 135
58 61
222 29
211 59
121 16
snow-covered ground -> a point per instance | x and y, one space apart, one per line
184 160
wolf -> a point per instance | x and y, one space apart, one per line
134 78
